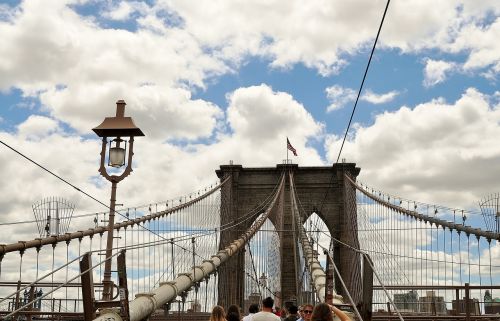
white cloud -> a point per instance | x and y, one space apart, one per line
74 55
320 36
258 113
162 114
37 127
120 11
374 98
481 43
259 118
442 153
339 96
78 68
435 71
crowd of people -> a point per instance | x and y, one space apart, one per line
267 312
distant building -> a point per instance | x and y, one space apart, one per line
253 298
460 305
432 304
406 302
491 306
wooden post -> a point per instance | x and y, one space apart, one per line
87 288
30 307
17 303
366 309
122 286
467 300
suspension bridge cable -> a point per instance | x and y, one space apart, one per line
364 77
52 173
67 182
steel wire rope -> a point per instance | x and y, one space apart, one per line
390 265
491 278
275 196
53 290
365 219
376 274
253 265
460 255
144 244
402 256
379 244
468 254
439 222
479 263
357 97
92 231
51 273
398 255
418 203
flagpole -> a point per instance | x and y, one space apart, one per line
287 150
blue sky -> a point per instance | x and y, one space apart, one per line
230 80
210 82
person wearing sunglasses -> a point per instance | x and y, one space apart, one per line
307 310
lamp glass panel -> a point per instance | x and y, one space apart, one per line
116 156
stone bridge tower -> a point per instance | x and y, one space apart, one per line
319 189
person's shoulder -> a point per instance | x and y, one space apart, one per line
274 316
248 317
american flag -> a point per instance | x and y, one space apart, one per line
290 147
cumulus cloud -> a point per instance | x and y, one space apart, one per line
37 127
258 112
341 96
259 119
481 43
321 36
178 45
438 152
436 71
163 114
79 67
121 11
376 99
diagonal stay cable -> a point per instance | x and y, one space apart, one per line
90 196
357 97
364 78
53 174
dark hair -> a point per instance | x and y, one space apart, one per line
253 308
268 302
322 312
292 309
233 313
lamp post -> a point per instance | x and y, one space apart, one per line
115 128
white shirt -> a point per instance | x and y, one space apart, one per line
248 317
265 316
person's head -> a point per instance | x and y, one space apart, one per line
307 310
218 314
322 312
300 311
233 313
267 304
292 309
253 308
